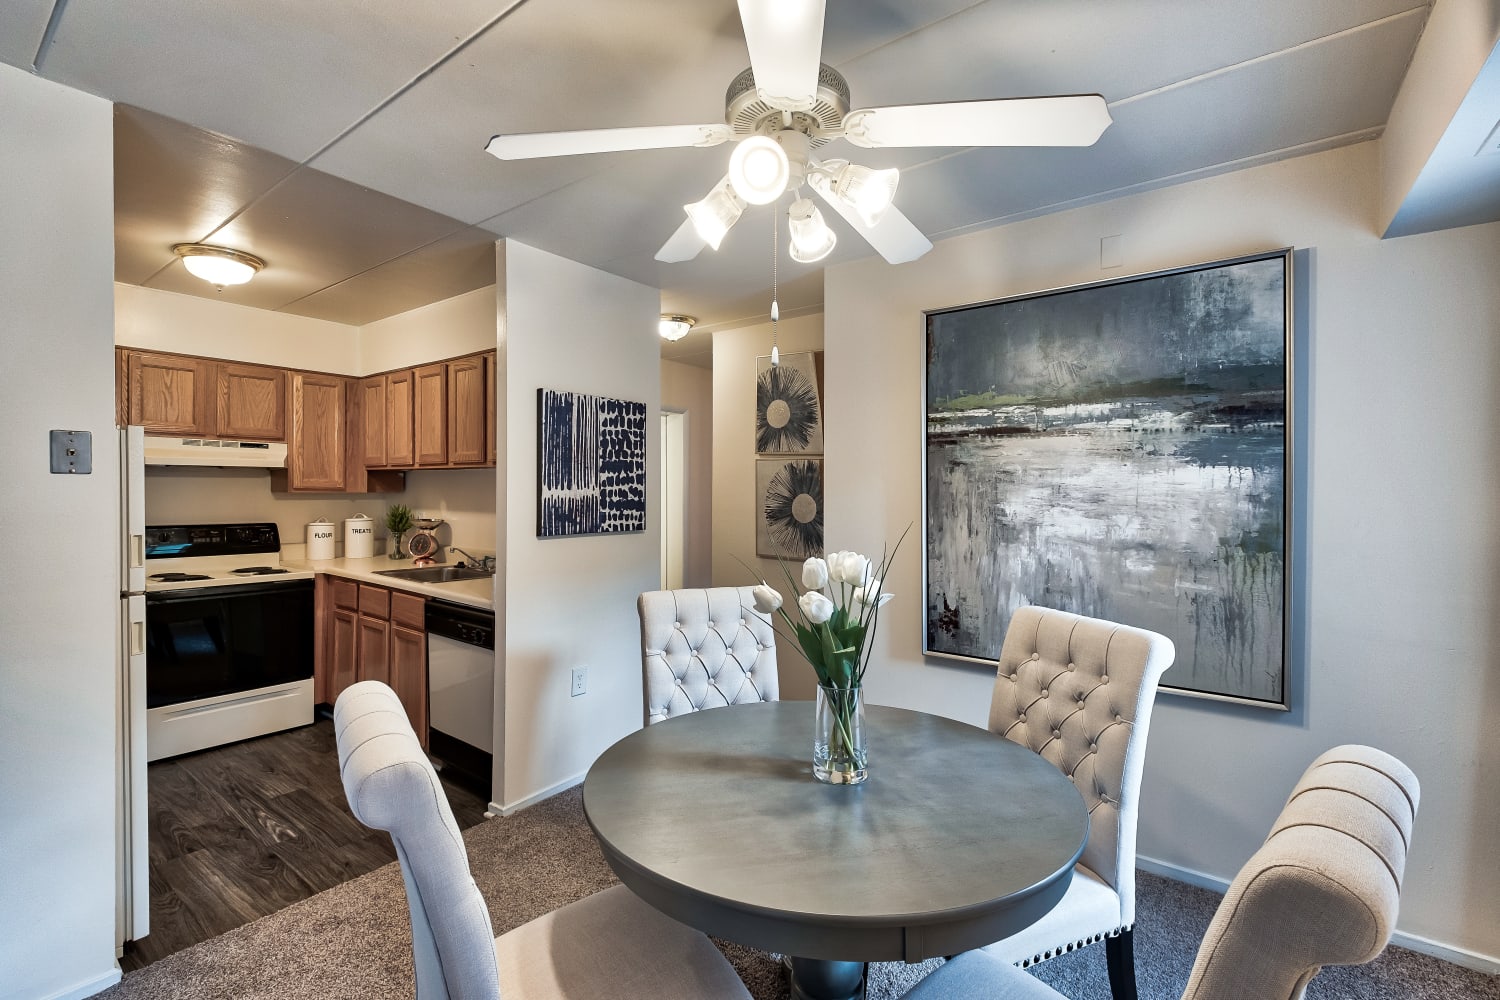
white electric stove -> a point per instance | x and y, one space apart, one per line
229 637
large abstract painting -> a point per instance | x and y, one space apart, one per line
1118 450
591 464
789 521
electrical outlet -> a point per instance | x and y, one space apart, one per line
580 680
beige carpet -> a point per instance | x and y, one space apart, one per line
353 942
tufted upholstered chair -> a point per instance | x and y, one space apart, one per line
609 944
1322 890
1079 692
704 649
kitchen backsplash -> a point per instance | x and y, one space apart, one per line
464 498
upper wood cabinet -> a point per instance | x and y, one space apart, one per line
431 414
315 447
252 402
372 416
171 394
490 378
400 403
467 442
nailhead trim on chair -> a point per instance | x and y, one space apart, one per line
1074 946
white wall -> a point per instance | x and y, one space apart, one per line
59 608
155 320
1401 427
736 358
689 390
463 324
569 601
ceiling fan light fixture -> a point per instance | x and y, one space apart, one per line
759 169
812 240
713 216
675 327
869 192
218 265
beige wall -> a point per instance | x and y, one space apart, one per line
689 390
568 602
736 354
1402 601
155 320
463 324
60 608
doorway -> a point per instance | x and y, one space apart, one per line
673 496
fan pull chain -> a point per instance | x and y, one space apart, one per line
775 309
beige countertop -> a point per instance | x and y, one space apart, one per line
474 593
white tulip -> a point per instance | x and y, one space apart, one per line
766 598
815 574
860 595
815 607
848 567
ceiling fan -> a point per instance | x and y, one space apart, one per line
788 104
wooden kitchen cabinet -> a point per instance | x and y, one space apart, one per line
400 403
251 402
373 419
368 632
491 376
170 394
467 405
430 413
315 446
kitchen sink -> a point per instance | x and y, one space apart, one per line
436 574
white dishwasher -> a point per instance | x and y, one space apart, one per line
461 689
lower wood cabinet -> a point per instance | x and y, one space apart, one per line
371 633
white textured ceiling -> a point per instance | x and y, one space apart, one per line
354 133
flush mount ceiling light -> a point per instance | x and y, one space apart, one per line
674 327
218 265
789 99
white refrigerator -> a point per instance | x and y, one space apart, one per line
132 852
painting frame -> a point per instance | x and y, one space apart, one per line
789 416
590 465
1243 307
801 470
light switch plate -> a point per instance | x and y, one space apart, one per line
72 452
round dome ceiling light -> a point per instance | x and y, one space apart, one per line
759 169
218 265
674 327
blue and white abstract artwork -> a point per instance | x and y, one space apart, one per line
591 465
1118 450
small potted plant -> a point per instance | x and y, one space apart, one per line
397 522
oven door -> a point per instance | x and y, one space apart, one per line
211 641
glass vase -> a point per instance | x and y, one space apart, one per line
839 754
396 552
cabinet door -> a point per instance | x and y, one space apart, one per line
467 444
372 415
171 395
374 649
490 378
315 451
409 675
400 401
343 653
430 385
252 402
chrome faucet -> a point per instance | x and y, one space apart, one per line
485 563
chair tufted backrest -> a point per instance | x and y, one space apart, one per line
391 786
704 649
1079 692
1322 890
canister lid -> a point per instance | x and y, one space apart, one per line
320 520
356 517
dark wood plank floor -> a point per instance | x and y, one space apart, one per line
241 831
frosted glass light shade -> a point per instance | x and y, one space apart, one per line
713 216
675 327
869 192
812 240
759 169
218 265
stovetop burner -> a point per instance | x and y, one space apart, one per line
258 571
178 577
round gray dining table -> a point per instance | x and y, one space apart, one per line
959 837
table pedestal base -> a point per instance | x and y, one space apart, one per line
817 979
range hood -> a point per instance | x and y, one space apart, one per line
208 451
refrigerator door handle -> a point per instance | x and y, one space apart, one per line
137 646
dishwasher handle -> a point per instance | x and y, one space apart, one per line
470 626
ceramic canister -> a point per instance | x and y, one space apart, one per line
320 539
359 537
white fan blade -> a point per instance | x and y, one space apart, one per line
525 146
893 237
685 244
1025 121
785 39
